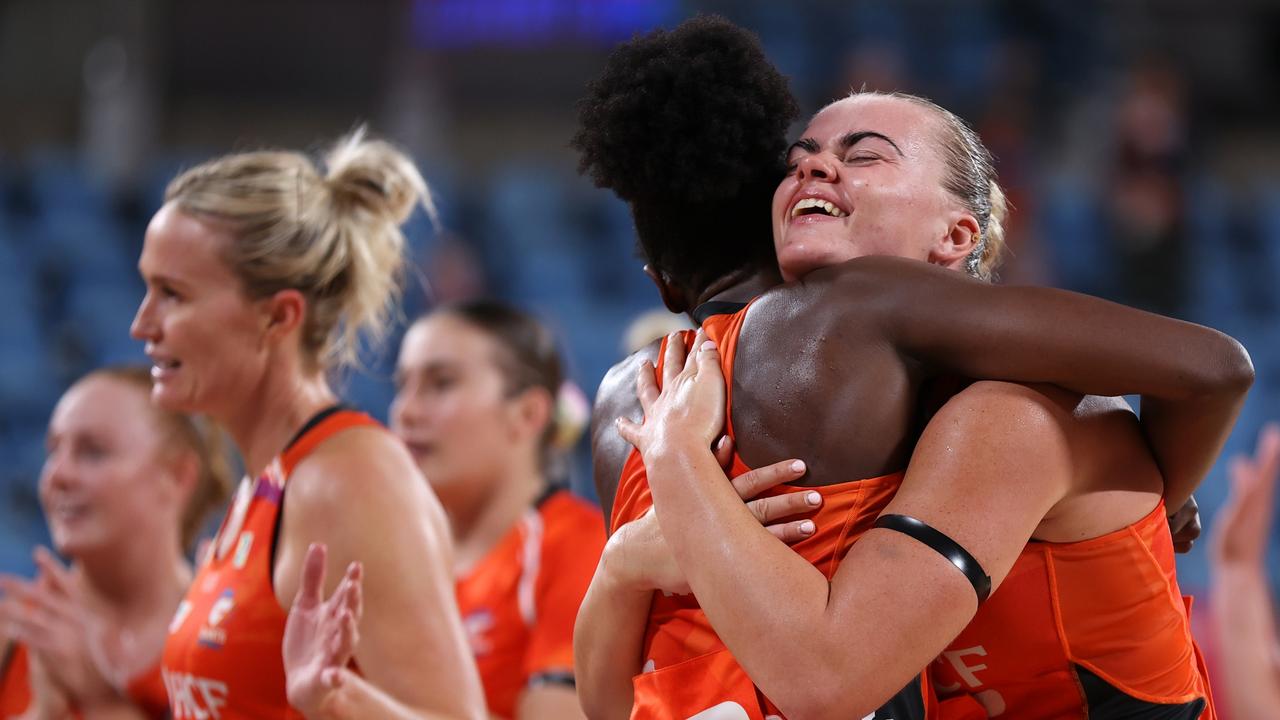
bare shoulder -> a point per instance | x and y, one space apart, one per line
615 398
361 470
1011 417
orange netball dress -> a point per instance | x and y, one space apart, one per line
1095 629
519 603
222 659
687 669
145 690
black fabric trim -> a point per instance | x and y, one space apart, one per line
562 678
906 704
1106 702
945 546
307 427
715 307
310 425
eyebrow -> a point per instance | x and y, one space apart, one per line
854 138
811 145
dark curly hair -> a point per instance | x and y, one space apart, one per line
689 126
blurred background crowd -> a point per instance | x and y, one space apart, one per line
1138 141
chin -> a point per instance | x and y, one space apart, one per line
173 400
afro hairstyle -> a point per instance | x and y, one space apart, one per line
689 126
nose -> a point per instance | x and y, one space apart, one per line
144 324
56 472
816 166
406 410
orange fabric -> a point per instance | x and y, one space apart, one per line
519 603
687 668
1110 604
15 683
146 690
222 658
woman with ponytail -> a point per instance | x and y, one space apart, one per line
483 407
327 591
914 513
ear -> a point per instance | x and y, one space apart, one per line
533 412
672 298
284 313
961 237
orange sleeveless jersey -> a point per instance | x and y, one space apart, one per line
1094 629
222 659
688 670
145 690
519 603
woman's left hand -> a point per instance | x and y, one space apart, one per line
689 407
49 616
320 636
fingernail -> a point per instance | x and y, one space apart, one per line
806 527
720 444
813 498
797 466
709 345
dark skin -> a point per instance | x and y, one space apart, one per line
870 327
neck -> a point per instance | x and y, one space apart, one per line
136 581
739 286
278 407
476 532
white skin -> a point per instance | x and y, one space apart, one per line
239 360
478 445
887 186
113 493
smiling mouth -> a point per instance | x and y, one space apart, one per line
816 206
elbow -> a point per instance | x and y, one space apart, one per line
1240 373
833 705
1225 371
827 695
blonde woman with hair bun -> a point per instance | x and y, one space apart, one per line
327 592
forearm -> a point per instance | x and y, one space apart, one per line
608 642
358 699
1034 334
765 602
1185 438
1246 639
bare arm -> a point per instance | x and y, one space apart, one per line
615 398
608 637
1192 379
411 649
608 640
1242 607
841 650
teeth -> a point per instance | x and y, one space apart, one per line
825 206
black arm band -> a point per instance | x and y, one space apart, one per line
945 546
563 678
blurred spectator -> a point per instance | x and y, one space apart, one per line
1147 188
